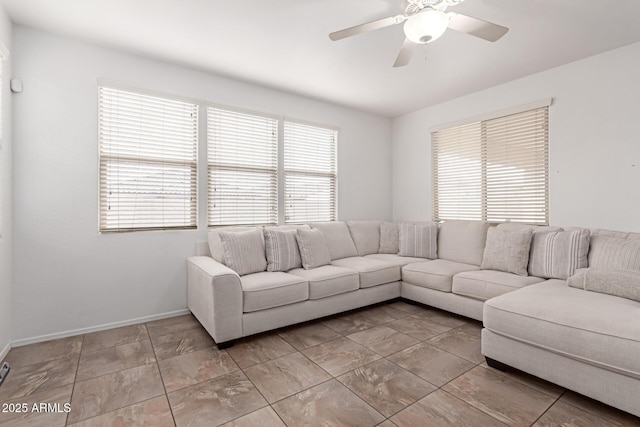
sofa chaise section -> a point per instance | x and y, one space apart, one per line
585 341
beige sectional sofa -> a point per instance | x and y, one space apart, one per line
231 306
586 341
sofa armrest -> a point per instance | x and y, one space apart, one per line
214 296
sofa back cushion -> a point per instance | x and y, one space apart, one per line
313 248
215 245
365 235
614 253
462 241
338 239
244 251
281 249
389 238
507 250
514 226
557 255
612 233
419 240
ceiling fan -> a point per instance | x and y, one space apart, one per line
424 22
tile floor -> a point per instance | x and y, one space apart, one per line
394 364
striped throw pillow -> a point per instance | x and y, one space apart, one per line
614 253
557 255
244 251
419 240
282 250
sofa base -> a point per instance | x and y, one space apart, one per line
278 317
453 303
226 344
496 365
612 388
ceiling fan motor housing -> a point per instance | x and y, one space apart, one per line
426 26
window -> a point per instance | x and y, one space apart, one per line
494 170
242 168
148 161
309 173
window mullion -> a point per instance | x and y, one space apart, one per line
483 163
281 173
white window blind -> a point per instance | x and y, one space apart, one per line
310 173
494 170
242 168
148 161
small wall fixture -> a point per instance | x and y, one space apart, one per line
16 85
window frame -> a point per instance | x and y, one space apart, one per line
192 164
333 175
275 207
477 128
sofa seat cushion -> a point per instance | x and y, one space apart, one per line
269 289
395 259
372 271
328 280
485 284
437 274
597 329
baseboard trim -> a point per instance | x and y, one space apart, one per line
5 351
71 333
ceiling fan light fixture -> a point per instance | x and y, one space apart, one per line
426 26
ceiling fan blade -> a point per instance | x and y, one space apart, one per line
369 26
476 27
405 54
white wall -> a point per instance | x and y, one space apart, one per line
5 193
594 142
67 276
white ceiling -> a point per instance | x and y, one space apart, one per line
284 44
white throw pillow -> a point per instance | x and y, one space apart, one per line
282 250
313 248
244 251
419 240
507 251
389 238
